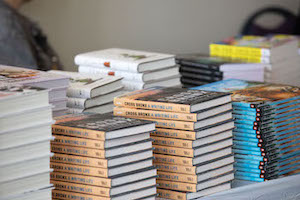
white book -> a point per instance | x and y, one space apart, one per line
125 60
133 85
90 85
130 76
102 109
95 101
41 194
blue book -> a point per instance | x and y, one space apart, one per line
247 178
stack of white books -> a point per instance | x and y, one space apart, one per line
56 84
25 135
91 92
139 69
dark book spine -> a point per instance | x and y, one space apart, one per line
200 65
200 76
199 70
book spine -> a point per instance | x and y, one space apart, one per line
185 187
174 151
78 169
79 92
176 160
175 168
186 178
172 133
87 189
170 107
169 194
76 103
78 132
133 85
59 194
77 142
88 180
172 142
127 112
79 160
79 151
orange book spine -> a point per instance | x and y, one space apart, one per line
172 133
131 112
175 168
185 187
169 194
79 151
170 107
173 151
86 189
77 132
172 142
78 169
80 179
79 160
186 178
59 194
176 160
78 142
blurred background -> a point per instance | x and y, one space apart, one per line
169 26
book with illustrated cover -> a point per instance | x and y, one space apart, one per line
89 85
172 99
101 127
125 60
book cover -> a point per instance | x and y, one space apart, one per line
167 99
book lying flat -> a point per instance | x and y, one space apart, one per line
101 109
125 60
172 99
165 82
44 193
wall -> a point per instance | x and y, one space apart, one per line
172 26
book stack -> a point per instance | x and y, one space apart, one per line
192 141
279 51
139 69
91 92
56 84
25 134
267 117
199 69
102 157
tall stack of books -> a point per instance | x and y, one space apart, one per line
90 92
279 51
25 134
56 84
102 157
192 141
139 69
199 69
267 120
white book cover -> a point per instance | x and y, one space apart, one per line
125 60
84 85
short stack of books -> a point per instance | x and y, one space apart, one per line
267 134
56 84
90 92
139 69
199 69
25 134
192 141
279 51
99 156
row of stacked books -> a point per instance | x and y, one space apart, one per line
139 69
91 92
267 120
56 84
102 157
25 134
192 140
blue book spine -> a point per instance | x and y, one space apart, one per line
247 178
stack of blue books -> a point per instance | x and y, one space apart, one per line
267 134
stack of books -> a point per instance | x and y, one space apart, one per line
102 157
192 141
279 51
56 84
267 120
90 92
199 69
25 134
139 69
